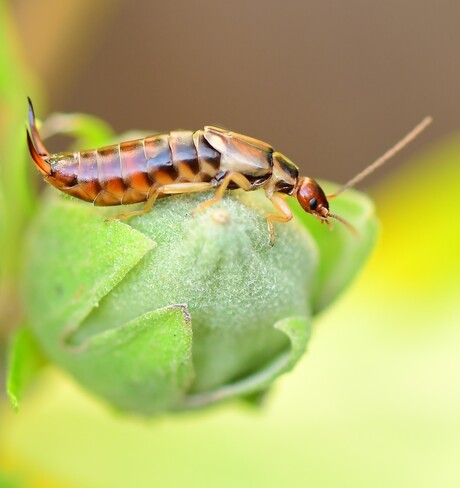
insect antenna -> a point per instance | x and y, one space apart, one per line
345 223
383 159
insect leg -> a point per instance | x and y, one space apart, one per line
155 192
234 176
284 215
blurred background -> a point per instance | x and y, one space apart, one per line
331 84
376 400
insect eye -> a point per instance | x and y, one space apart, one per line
313 203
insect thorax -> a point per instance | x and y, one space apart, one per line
285 174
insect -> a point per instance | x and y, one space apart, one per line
143 170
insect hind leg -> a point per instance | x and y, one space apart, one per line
235 177
151 199
155 192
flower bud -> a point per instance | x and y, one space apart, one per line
173 310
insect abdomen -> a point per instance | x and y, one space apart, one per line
93 175
125 173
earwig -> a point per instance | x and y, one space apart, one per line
179 162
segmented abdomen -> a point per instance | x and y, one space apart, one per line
125 173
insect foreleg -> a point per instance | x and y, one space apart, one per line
174 188
234 176
284 215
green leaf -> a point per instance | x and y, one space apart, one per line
88 130
298 330
341 253
66 292
25 360
144 366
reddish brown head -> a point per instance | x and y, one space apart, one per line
314 201
312 198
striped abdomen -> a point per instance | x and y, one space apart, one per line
126 172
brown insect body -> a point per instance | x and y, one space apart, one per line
125 173
183 162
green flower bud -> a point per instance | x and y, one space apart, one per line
169 310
